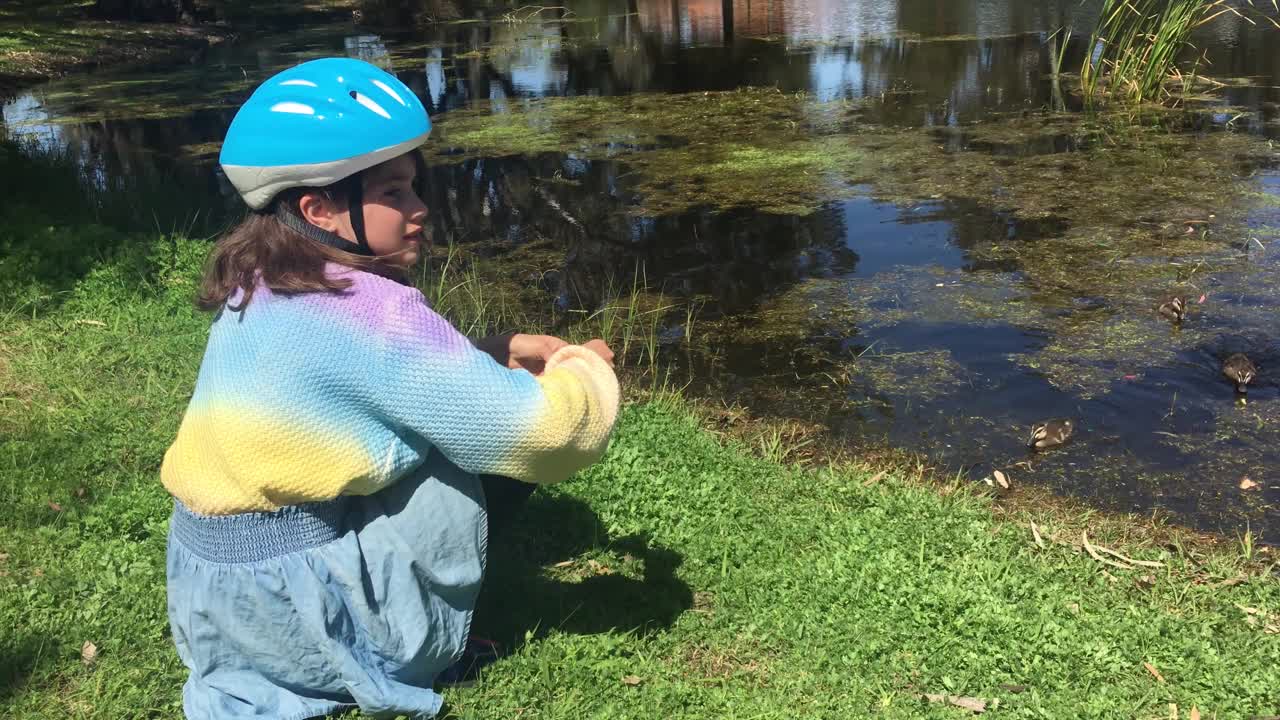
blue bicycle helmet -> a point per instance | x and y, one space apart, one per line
316 124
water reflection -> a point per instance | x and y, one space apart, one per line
954 62
733 258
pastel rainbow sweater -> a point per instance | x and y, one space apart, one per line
307 397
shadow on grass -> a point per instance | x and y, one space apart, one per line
520 596
18 656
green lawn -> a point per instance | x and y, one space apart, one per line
682 577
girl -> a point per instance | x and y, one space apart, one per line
329 529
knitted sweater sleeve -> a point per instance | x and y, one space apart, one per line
487 418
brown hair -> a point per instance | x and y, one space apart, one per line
262 250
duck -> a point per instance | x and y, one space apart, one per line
1174 308
1050 433
1240 370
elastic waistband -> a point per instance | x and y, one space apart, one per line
254 536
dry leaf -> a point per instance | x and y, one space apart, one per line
977 705
96 323
55 506
88 653
1035 533
4 557
632 680
1195 713
1154 672
80 491
1011 688
563 563
874 479
1001 479
1247 484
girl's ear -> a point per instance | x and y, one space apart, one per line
318 210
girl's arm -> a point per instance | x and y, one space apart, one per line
487 418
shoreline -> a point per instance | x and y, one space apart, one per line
106 43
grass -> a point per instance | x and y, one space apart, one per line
1137 46
689 574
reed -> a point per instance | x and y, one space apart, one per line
1136 45
1135 50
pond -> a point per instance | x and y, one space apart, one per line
893 219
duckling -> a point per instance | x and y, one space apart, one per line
1050 433
1239 370
1175 308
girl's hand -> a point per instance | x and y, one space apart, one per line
530 352
600 348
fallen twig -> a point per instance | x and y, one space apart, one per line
977 705
1093 553
1126 563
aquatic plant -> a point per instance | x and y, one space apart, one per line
1137 45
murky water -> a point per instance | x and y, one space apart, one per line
895 221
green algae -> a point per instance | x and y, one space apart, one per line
921 375
745 147
780 152
1085 358
98 98
201 152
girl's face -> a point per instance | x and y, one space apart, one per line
393 213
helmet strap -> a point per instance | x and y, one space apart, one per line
355 207
290 220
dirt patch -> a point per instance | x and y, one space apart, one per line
725 664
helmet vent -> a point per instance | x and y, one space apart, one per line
387 89
293 108
370 103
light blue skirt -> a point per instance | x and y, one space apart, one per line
359 601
